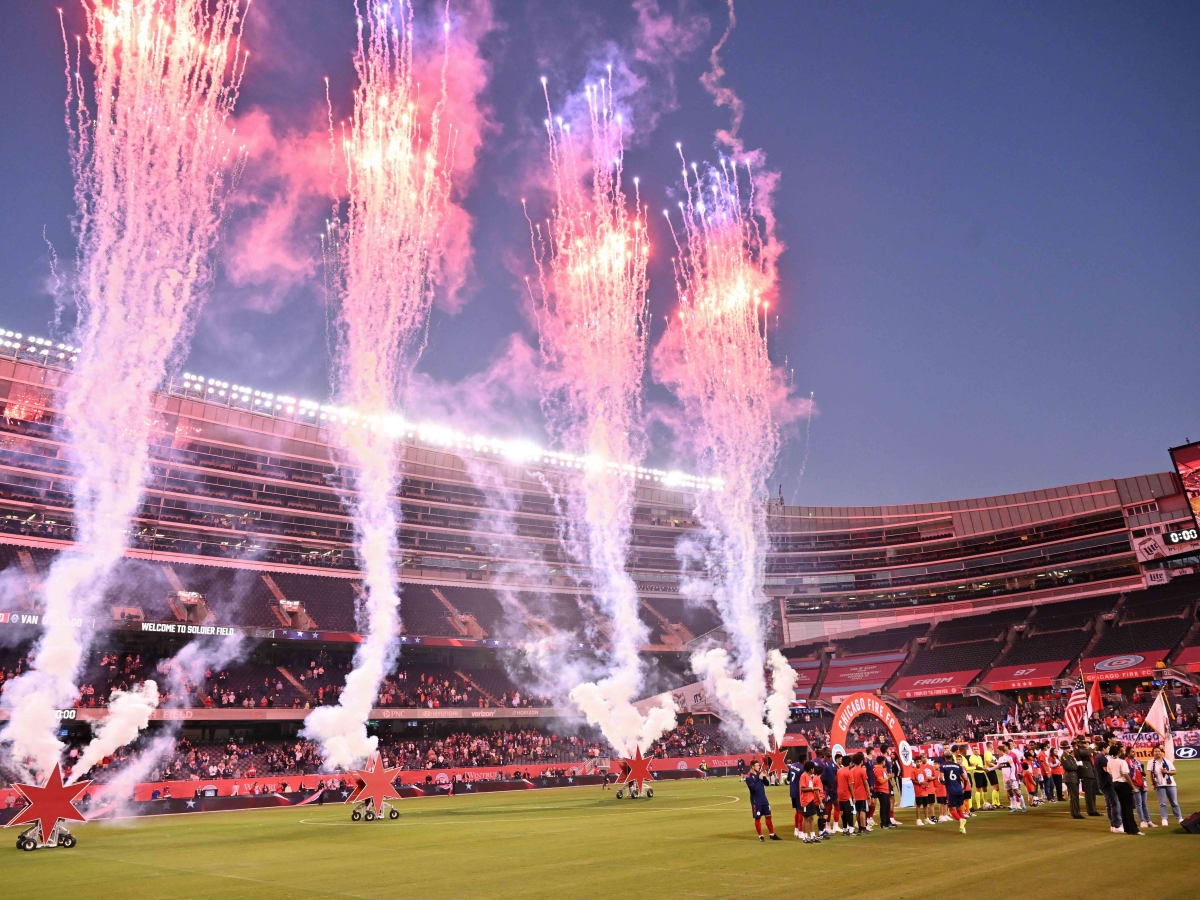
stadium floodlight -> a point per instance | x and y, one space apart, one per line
521 451
215 390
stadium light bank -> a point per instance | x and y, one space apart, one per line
432 434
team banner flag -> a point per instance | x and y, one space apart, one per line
1159 718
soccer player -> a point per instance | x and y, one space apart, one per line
1009 768
810 802
923 788
845 795
860 787
1045 781
1028 767
941 812
829 792
758 801
794 773
883 793
954 778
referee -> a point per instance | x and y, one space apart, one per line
978 773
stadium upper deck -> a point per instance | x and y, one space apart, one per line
246 479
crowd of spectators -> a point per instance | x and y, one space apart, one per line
255 683
256 759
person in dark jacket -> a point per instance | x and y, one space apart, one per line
1104 779
1071 778
1087 776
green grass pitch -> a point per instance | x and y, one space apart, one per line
694 839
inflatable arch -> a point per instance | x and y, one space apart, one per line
864 704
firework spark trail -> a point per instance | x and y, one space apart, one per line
382 261
591 314
152 162
724 271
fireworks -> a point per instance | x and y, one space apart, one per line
591 257
152 159
724 273
382 263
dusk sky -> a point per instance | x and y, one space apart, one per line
991 210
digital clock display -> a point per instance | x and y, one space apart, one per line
1182 536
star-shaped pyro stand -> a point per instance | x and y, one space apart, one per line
636 770
776 760
374 783
50 802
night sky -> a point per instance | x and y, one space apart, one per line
992 213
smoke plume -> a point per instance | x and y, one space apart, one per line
152 162
128 713
384 259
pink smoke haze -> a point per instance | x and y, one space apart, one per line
150 90
285 189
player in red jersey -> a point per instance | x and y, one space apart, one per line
860 787
1044 780
1028 769
845 795
883 793
923 787
810 801
940 808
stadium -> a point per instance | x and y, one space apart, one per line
967 617
548 624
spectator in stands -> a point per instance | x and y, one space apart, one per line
1162 776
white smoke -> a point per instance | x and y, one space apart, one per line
341 730
384 257
183 672
783 694
740 696
128 713
152 164
609 704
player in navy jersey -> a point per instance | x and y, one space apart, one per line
828 775
794 771
758 801
954 777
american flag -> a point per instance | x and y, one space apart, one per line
1076 711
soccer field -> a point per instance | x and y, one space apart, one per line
695 839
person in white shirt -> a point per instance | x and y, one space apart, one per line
1162 776
1118 768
